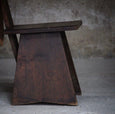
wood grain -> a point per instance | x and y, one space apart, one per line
42 72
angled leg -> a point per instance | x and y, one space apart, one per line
71 65
9 24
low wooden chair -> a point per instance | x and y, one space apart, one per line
45 71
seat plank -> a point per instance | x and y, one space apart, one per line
44 27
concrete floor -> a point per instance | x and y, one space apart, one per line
97 80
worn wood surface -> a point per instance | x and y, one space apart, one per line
45 71
1 26
45 27
70 64
42 72
9 24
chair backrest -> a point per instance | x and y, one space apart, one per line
8 22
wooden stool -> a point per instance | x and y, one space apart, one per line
45 72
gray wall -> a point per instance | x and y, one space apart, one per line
95 38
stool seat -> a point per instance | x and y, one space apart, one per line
44 27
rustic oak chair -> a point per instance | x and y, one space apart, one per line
45 71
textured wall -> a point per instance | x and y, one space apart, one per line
95 38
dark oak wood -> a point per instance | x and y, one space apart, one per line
1 27
42 72
45 71
45 27
9 24
70 64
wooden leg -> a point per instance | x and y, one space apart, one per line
9 24
1 27
42 72
71 65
